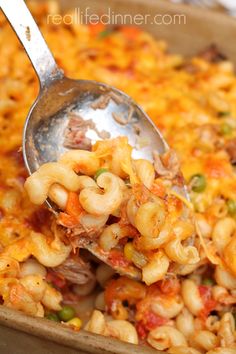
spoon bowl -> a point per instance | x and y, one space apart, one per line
44 130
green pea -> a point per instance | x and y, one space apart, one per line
208 281
223 114
198 183
99 172
66 313
231 204
104 34
53 317
226 129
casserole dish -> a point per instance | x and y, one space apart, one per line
20 333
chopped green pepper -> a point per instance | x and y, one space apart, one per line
198 182
99 172
231 204
223 114
208 281
226 129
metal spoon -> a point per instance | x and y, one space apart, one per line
48 117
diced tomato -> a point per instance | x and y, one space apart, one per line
122 241
73 206
149 322
208 301
144 306
80 167
174 204
67 220
130 32
170 286
132 231
124 289
153 290
204 291
208 307
158 189
141 330
124 220
97 28
216 167
56 279
152 320
117 259
141 193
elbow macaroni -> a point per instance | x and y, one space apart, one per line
191 297
38 184
165 337
156 268
145 172
185 323
150 221
167 306
99 203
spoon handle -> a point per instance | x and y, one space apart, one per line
30 36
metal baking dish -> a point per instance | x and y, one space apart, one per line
21 334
